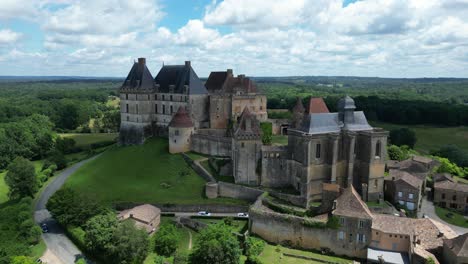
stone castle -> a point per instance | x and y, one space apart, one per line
222 117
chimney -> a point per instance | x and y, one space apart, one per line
229 72
187 63
141 61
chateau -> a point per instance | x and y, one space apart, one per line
332 164
222 117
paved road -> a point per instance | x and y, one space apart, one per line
56 240
427 208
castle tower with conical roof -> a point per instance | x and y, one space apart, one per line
180 131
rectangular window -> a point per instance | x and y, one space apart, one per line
376 183
350 237
127 108
137 109
394 246
361 238
443 196
400 194
317 151
164 109
171 110
156 108
170 97
454 197
342 221
341 235
177 132
126 96
361 224
163 97
410 195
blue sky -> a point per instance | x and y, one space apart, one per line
387 38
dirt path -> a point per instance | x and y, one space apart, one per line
190 240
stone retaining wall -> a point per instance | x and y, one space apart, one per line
212 145
174 208
238 191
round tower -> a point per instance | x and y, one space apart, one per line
180 131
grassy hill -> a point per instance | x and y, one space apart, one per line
433 137
88 139
142 174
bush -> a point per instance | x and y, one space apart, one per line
398 153
253 260
58 158
254 246
181 258
166 240
267 132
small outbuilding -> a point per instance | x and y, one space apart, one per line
146 217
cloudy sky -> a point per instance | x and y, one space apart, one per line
386 38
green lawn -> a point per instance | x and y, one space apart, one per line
88 139
3 188
279 140
457 218
142 174
196 156
432 137
271 255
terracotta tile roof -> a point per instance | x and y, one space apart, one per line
428 232
317 105
404 176
458 245
412 166
145 213
181 119
449 185
349 204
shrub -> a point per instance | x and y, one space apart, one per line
253 260
254 246
166 239
267 132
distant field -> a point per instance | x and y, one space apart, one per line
88 139
142 174
432 137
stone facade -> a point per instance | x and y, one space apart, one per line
452 195
404 189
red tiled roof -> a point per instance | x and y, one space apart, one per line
181 119
317 106
349 204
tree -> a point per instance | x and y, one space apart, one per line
454 154
216 244
449 167
398 153
159 260
70 208
65 145
253 246
166 240
21 178
99 231
403 136
129 244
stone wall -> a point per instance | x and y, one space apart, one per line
198 168
211 145
293 199
238 191
280 228
278 125
174 208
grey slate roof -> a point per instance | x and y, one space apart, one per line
179 76
139 77
329 122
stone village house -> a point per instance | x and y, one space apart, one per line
146 217
404 189
451 194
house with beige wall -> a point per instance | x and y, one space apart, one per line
451 194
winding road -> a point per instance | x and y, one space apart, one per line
56 240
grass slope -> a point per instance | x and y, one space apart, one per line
456 219
88 139
432 137
142 174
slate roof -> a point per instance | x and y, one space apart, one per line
317 105
349 204
422 159
329 122
139 77
346 103
449 185
181 119
458 245
404 176
179 76
248 125
442 177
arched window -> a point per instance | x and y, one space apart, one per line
378 149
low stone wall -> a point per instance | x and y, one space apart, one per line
211 145
198 168
238 191
193 224
293 199
174 208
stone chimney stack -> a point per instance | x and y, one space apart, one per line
141 61
229 72
187 63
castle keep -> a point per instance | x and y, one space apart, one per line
222 117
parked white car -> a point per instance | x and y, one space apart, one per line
204 213
243 215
